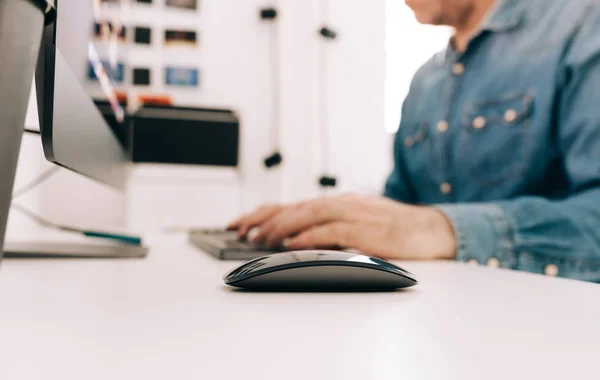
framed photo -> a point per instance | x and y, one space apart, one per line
181 38
182 76
184 4
106 30
141 77
142 35
116 74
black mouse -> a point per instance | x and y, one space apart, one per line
319 271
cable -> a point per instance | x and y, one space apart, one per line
36 182
38 219
323 108
275 93
40 179
126 239
133 240
327 34
275 158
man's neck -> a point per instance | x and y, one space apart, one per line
466 28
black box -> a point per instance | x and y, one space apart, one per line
181 135
143 35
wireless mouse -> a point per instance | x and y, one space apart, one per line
319 271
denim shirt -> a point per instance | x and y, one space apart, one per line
505 139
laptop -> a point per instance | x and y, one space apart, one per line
225 245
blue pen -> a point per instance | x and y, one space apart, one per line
127 239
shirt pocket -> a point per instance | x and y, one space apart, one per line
419 154
495 139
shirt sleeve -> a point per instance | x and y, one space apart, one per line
555 237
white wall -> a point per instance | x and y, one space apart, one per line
235 73
360 149
408 45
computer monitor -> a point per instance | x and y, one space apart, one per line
71 72
21 24
74 133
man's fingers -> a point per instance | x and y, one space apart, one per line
338 234
291 222
258 217
232 226
266 231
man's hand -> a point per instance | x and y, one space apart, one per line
373 225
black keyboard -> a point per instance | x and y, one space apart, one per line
232 241
226 245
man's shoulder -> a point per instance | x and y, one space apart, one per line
572 26
430 66
562 4
560 10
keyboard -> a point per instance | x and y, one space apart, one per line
225 245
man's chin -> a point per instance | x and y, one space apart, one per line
426 15
428 19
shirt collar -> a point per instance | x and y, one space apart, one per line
505 16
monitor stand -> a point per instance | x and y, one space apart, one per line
21 25
73 250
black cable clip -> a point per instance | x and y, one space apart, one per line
268 14
273 160
327 181
328 33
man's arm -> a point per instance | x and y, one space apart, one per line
398 186
536 234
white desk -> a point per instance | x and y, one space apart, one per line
171 317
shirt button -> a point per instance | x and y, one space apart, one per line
510 116
446 188
493 262
442 126
551 270
479 122
472 262
408 142
458 69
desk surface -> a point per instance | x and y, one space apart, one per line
171 317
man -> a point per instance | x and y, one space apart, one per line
497 159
